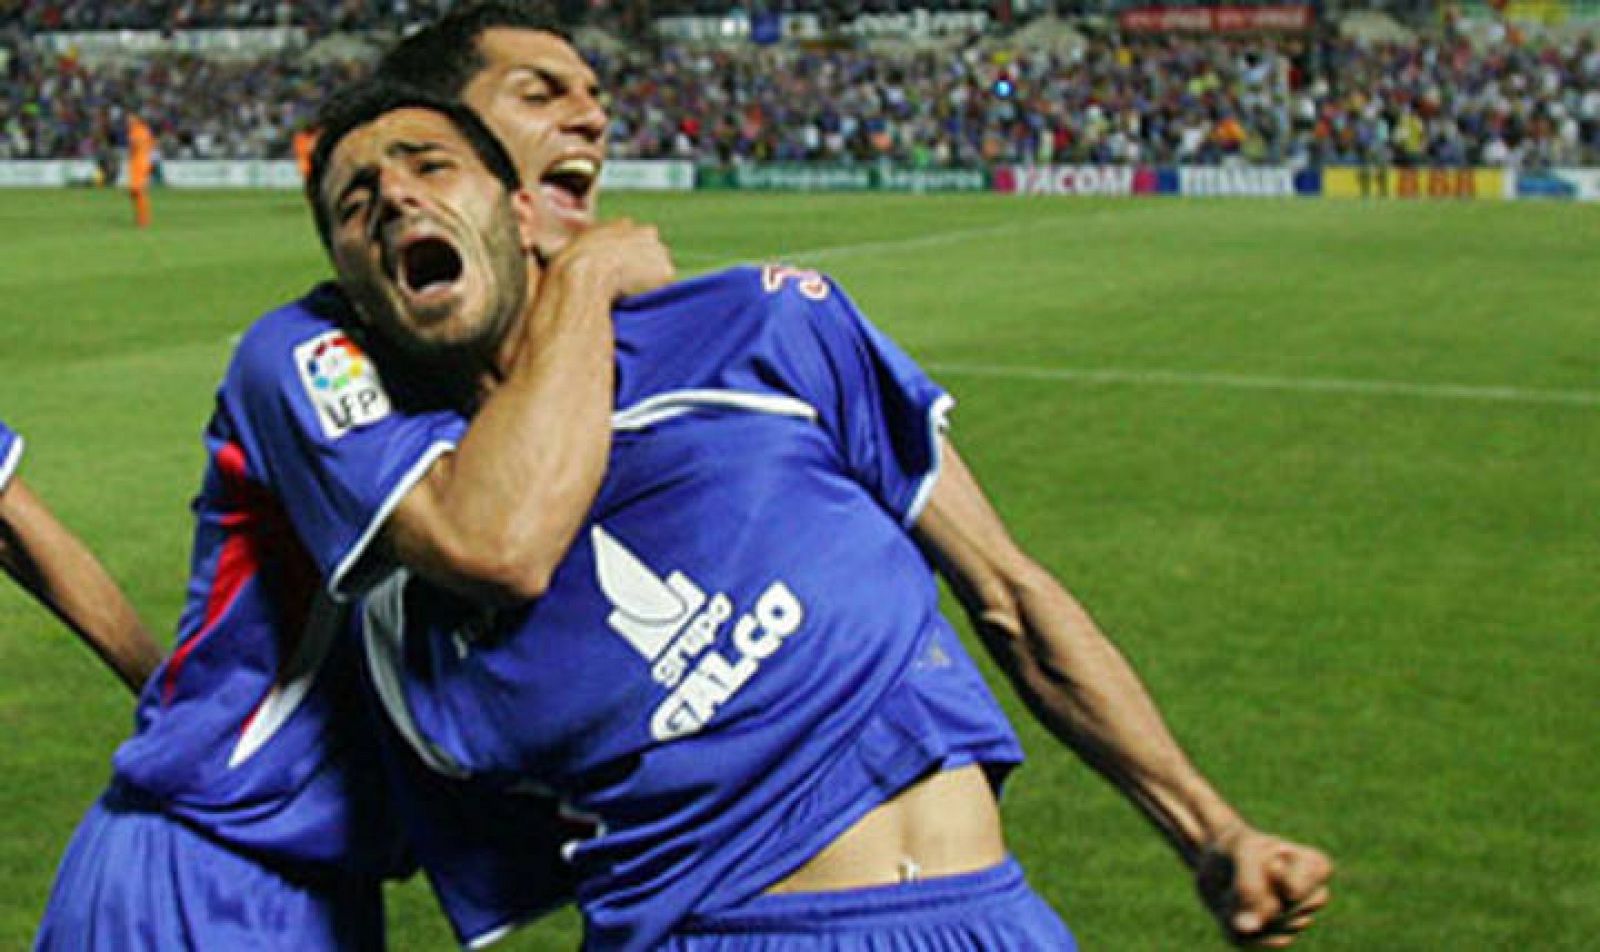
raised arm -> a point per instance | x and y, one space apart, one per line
1264 890
60 571
494 518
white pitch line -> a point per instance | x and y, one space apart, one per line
1174 378
954 236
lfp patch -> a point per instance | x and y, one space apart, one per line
342 383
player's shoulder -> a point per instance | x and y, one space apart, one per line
782 295
794 284
284 335
781 286
304 361
323 308
769 287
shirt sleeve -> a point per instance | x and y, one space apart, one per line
884 413
10 453
316 426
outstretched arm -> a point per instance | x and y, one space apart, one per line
60 571
1264 890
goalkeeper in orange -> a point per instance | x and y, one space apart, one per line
141 157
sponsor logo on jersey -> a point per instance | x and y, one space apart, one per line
342 383
674 626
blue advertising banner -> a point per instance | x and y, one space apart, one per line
1582 185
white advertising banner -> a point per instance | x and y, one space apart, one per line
618 175
640 175
1069 180
46 173
1261 181
249 173
94 45
1585 183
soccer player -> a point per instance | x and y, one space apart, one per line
141 161
248 796
739 671
45 558
534 91
302 145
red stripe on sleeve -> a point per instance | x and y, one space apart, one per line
237 563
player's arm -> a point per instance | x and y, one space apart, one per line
60 571
494 518
1264 890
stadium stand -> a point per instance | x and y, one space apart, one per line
1047 93
45 15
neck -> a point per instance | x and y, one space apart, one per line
516 334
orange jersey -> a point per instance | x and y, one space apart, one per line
304 143
141 152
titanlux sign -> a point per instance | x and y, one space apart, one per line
916 23
911 24
1283 19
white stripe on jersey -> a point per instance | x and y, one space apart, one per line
674 403
384 625
322 626
9 465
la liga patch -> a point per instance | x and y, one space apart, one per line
342 383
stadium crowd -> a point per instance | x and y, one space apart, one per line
317 17
1113 100
322 15
1120 101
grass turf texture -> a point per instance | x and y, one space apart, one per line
1371 614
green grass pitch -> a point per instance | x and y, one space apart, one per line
1329 472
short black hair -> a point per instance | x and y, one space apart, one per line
443 56
362 102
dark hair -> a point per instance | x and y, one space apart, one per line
443 56
362 102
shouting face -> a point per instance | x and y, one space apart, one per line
426 240
542 101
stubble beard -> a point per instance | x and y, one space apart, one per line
463 359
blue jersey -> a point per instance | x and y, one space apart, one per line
742 653
254 731
10 453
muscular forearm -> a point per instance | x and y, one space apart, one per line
55 567
1261 887
1083 689
494 518
1072 677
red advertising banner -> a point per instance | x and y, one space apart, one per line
1281 19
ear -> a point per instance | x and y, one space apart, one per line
526 211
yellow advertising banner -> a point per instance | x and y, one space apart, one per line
1379 182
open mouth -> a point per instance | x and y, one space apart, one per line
429 267
570 181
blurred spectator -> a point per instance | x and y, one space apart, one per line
319 17
1161 100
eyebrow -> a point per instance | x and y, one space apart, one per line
408 148
557 76
364 176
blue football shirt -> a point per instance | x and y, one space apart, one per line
741 654
254 730
10 453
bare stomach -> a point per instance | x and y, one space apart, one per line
943 825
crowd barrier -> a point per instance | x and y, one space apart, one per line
1246 181
823 177
618 175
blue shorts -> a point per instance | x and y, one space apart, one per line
989 911
135 879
